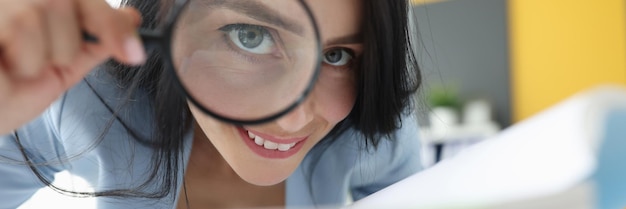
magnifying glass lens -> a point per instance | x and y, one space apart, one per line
244 59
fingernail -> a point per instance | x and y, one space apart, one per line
134 51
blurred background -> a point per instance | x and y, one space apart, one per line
488 64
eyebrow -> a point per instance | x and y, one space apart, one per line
261 12
356 38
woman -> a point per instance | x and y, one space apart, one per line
140 144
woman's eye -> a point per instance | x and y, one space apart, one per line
251 38
337 57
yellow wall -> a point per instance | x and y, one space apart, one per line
559 47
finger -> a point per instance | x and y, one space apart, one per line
115 29
4 85
25 49
64 36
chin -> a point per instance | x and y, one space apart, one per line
265 176
263 172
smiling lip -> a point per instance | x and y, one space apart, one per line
276 139
272 154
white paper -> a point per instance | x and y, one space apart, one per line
546 154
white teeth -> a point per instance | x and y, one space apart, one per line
251 135
283 147
259 141
270 145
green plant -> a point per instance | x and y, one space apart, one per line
443 97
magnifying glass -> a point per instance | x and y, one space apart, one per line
241 61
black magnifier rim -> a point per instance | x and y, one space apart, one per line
166 39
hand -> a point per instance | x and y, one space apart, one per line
42 52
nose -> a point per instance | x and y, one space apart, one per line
297 118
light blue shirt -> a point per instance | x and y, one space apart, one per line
64 138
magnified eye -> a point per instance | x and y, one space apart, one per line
251 38
337 57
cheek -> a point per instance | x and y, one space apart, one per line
210 127
335 97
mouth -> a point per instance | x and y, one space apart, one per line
271 147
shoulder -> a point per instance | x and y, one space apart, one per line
66 137
349 153
83 117
400 150
346 163
62 119
402 143
396 157
102 129
99 105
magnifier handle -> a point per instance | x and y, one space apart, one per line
150 39
90 38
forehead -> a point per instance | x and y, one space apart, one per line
337 17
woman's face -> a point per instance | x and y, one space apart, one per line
267 154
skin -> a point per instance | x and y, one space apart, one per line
220 160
